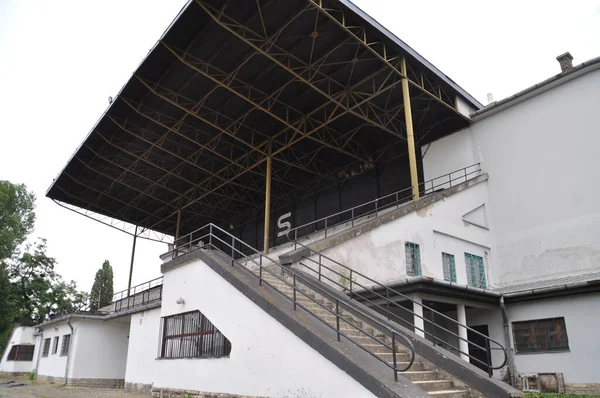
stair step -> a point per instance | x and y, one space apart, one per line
420 375
450 393
400 356
435 385
416 365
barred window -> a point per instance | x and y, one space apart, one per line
23 352
64 348
191 335
475 271
46 350
449 267
55 346
413 259
541 335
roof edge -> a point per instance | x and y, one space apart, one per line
532 91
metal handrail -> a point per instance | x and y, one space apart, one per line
202 239
126 299
388 300
466 173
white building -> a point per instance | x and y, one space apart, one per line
482 273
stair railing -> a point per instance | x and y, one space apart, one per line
375 207
376 293
211 237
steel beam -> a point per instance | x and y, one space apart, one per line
412 157
267 205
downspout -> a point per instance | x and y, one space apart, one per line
37 361
71 343
511 368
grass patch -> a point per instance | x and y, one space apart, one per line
553 395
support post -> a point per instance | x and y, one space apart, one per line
132 258
267 204
410 138
463 345
178 228
419 322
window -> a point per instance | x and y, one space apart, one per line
449 267
475 271
22 352
413 259
46 350
64 348
55 346
540 335
191 335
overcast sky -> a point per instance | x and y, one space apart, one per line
60 61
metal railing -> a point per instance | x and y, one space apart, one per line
384 299
377 206
294 289
144 293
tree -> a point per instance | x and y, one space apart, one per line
36 289
30 289
102 289
17 216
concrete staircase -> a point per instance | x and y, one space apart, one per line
422 373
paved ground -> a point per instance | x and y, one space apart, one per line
44 390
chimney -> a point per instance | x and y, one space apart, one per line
490 98
566 61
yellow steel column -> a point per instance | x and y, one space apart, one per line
178 228
410 138
267 204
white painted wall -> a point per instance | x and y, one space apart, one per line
20 335
54 364
580 363
380 253
100 349
542 158
266 358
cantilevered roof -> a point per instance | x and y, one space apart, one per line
314 83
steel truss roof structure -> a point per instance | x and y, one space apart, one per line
313 84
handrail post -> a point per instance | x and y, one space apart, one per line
376 201
350 280
394 355
352 216
260 270
325 227
337 318
232 250
294 292
397 201
465 174
210 235
320 265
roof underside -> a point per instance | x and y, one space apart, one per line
316 84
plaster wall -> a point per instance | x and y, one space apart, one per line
380 252
20 335
100 349
580 363
266 359
55 364
541 155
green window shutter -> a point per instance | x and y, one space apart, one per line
413 259
475 271
449 267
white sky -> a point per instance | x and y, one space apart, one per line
60 61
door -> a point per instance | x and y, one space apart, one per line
482 355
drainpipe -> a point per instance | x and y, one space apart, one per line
37 361
511 369
71 343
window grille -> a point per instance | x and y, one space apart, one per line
46 350
64 348
413 259
191 335
55 346
541 335
449 267
475 271
23 352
